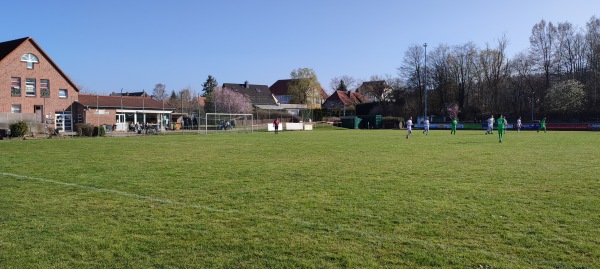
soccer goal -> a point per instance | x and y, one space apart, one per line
225 122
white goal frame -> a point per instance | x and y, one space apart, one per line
217 115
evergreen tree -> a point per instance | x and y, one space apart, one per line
208 86
342 86
173 95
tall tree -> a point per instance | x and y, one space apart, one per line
159 91
173 95
411 70
542 39
441 79
209 85
463 66
305 87
592 37
494 67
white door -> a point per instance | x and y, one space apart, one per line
121 123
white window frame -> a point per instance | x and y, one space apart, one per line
30 59
27 88
15 108
63 93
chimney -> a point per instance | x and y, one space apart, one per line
246 85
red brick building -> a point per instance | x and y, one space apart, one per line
119 112
33 88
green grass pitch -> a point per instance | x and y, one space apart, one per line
317 199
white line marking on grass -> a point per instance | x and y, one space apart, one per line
319 225
121 193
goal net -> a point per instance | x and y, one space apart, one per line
225 122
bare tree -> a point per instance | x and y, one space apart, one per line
440 77
494 67
411 70
463 65
543 36
349 81
160 92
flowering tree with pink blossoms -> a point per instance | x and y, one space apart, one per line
224 100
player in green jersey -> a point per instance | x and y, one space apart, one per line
454 123
501 124
542 125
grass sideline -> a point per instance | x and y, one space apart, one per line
320 199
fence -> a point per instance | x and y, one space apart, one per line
6 119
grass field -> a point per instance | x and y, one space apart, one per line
319 199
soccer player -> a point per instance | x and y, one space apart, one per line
501 123
276 125
490 127
409 127
426 126
519 125
542 125
454 123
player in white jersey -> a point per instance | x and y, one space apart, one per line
426 126
490 127
519 124
409 127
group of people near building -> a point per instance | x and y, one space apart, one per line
501 123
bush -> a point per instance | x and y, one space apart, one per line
99 131
84 129
19 129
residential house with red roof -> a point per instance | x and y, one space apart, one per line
344 100
33 88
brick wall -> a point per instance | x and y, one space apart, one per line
11 66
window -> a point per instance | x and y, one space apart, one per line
258 90
30 87
62 93
15 86
30 59
44 88
15 109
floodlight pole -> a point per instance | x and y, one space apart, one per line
532 103
425 82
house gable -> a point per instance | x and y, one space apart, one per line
32 83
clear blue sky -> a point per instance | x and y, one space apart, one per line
108 45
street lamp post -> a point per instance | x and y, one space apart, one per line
532 102
425 81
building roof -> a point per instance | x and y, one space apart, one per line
8 47
125 102
281 87
258 94
200 100
376 88
340 99
142 93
